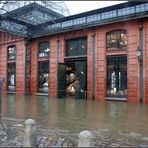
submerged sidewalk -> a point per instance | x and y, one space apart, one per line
64 138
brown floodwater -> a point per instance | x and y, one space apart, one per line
76 115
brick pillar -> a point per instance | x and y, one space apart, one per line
101 65
34 67
20 68
145 60
132 64
53 67
89 65
3 66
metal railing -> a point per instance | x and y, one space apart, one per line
100 16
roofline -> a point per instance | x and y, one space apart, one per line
92 12
84 26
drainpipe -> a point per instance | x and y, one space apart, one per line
25 67
93 63
26 44
58 60
140 58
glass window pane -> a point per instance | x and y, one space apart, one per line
117 76
44 49
82 46
43 76
11 52
116 40
11 76
76 47
71 48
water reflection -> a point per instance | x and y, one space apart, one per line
77 115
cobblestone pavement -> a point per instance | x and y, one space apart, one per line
63 138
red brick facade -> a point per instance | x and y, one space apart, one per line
5 41
100 61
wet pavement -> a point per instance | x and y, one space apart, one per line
59 121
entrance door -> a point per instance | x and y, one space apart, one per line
81 76
61 91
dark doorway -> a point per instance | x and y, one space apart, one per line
72 79
61 87
116 76
43 76
11 82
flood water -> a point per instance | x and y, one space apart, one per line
76 115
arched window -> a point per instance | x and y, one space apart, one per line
12 52
116 40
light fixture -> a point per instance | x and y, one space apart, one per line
139 54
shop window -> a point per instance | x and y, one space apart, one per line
43 49
117 76
116 40
12 52
76 47
11 76
43 76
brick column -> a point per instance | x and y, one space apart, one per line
132 64
101 65
34 67
89 65
53 69
145 60
20 67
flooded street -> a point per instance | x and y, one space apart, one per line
113 123
77 115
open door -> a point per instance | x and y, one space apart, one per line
61 90
81 76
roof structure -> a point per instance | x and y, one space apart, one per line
56 6
21 17
34 14
38 27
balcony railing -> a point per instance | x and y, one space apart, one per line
100 17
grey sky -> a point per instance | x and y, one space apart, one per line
83 6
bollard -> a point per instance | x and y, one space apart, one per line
85 139
30 133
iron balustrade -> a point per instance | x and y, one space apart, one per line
100 16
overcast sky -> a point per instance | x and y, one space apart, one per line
83 6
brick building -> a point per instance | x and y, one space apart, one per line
100 54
